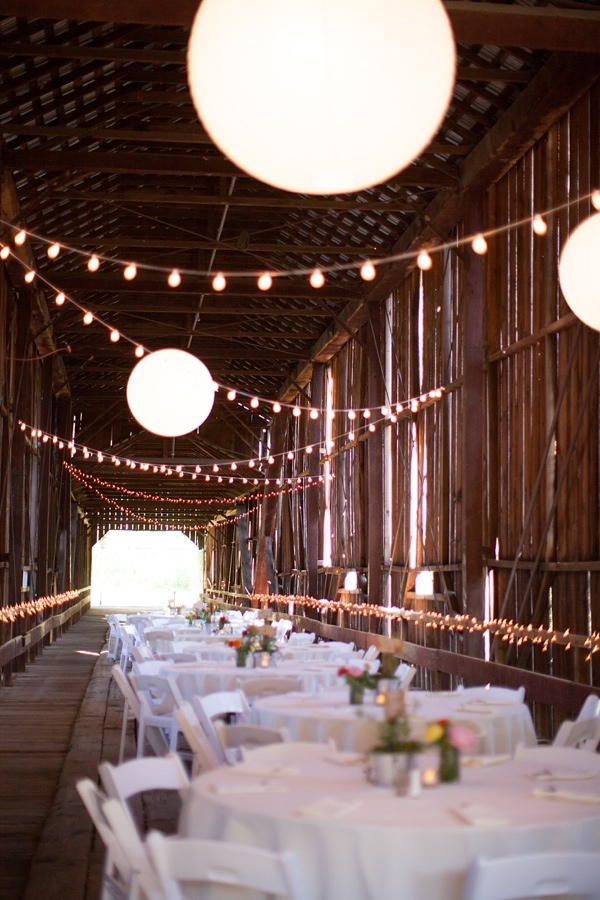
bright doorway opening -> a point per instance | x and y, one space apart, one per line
146 570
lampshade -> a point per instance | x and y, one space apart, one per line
321 96
579 271
170 392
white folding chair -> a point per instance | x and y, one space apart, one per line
237 738
219 705
114 636
131 708
180 860
553 874
141 653
136 776
371 653
117 871
129 639
302 637
157 710
204 757
269 684
144 884
548 756
590 708
583 735
405 674
157 638
215 654
282 629
493 692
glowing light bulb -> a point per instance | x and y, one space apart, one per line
88 318
231 395
129 272
479 245
367 271
93 263
20 237
276 407
5 252
314 414
254 402
317 279
219 283
367 413
139 351
351 414
53 251
265 282
350 435
539 226
596 200
115 336
174 279
29 276
296 411
424 261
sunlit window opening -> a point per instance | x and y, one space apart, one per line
146 570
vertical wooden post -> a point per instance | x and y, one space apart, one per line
374 475
45 488
473 418
245 555
264 578
313 517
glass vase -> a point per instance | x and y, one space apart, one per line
240 658
449 768
357 694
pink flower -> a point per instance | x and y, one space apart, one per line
462 738
354 671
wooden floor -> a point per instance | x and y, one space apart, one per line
58 720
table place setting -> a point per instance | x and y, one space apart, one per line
480 815
551 792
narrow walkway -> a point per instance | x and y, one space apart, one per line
58 720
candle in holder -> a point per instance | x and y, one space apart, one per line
429 777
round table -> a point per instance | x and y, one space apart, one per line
208 677
328 715
358 841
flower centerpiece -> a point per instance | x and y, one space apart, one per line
392 758
223 621
358 679
198 615
254 639
452 740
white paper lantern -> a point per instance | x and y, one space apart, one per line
321 96
579 271
170 392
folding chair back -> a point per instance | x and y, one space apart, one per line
552 874
180 860
262 686
205 757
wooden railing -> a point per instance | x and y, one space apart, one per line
24 631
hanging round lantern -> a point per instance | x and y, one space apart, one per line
321 96
170 392
579 271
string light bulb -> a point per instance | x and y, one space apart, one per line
53 251
317 279
595 198
174 279
367 271
115 336
219 283
424 261
29 276
139 351
88 318
60 298
93 263
129 272
265 282
5 252
20 238
231 395
479 245
539 226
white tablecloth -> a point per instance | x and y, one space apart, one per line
374 844
208 677
328 716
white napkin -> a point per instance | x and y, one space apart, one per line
250 787
329 808
558 775
478 710
476 762
345 758
480 815
265 771
551 793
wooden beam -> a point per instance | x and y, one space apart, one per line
499 25
173 164
177 244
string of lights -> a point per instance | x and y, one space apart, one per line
31 607
368 269
509 631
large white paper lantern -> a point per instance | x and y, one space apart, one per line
170 392
321 96
579 271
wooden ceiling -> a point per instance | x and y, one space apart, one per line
103 152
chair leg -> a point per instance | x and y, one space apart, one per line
123 732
